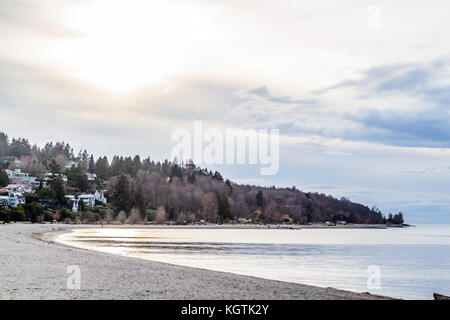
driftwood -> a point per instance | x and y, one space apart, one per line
438 296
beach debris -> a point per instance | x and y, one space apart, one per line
438 296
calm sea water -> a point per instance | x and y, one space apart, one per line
409 263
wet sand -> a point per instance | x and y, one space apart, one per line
34 267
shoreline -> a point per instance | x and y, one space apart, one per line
231 226
35 268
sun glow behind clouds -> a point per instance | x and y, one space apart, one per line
126 45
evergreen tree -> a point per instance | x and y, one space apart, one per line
128 164
81 206
259 199
136 166
175 171
45 193
4 180
54 167
117 166
390 218
57 187
102 168
309 210
33 211
398 218
4 145
165 168
77 178
140 202
223 207
229 186
19 147
121 194
82 182
91 164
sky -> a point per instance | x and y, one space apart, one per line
359 90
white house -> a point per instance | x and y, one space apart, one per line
100 196
22 178
19 188
74 202
11 200
91 176
4 201
18 176
88 200
14 200
70 164
50 176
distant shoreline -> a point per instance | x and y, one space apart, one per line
230 226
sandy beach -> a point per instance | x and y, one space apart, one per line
33 267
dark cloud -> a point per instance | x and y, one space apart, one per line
413 79
423 129
428 126
264 92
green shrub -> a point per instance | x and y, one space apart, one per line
33 211
66 214
150 213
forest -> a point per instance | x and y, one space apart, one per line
147 190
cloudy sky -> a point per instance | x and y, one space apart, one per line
360 90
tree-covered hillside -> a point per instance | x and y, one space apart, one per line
166 190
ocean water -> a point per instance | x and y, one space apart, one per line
408 263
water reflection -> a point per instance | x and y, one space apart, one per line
414 262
